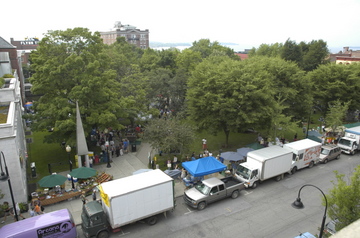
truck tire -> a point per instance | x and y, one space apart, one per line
235 194
103 234
201 206
278 178
293 171
311 164
255 184
151 220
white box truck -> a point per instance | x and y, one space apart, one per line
263 164
349 144
127 200
306 153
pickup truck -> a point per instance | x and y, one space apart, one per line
211 190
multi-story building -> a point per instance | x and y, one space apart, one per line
14 63
139 38
24 48
12 134
346 56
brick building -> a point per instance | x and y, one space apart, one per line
24 48
139 38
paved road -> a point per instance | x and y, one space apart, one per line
262 212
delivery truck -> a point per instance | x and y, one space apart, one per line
306 153
127 200
57 224
263 164
349 144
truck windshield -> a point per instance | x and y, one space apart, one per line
202 188
345 142
325 151
243 172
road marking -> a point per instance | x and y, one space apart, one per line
247 193
190 211
123 233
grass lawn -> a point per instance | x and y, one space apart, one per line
43 154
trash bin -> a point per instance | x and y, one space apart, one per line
33 170
133 147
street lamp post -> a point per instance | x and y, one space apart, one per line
299 205
68 150
4 177
107 153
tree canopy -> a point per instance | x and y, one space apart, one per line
343 199
71 66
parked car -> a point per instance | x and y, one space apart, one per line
329 152
330 227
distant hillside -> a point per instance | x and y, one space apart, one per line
154 44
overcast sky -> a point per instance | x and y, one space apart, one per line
247 23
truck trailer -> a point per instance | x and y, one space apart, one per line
127 200
306 153
349 144
263 164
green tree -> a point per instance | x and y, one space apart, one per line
333 82
291 51
224 96
149 60
170 135
188 59
206 48
343 199
71 66
272 50
314 54
336 114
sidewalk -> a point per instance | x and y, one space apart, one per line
121 166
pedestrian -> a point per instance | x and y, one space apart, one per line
18 212
169 164
91 161
94 195
183 173
83 198
6 209
37 209
204 145
175 161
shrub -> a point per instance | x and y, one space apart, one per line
8 76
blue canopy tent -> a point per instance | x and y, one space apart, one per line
203 166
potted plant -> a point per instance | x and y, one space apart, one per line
24 207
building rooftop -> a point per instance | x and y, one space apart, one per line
5 45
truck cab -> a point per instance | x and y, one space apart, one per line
348 145
94 220
247 174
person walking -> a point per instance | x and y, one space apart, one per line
83 198
204 145
18 212
6 208
94 195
